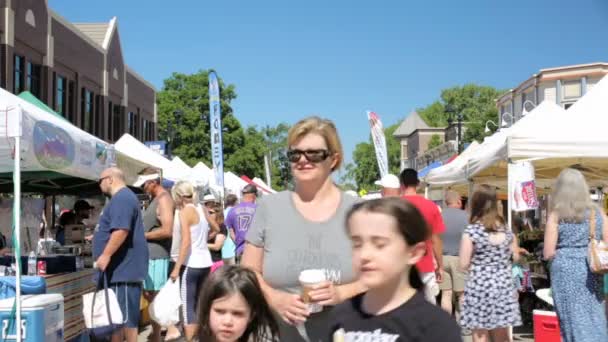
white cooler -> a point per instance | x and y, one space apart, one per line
41 318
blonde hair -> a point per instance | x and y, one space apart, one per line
183 189
322 127
571 198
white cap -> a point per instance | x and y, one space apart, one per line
144 178
389 181
209 198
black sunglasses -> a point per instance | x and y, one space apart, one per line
313 156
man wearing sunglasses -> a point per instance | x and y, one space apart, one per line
119 249
158 226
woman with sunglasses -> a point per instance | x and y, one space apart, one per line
299 230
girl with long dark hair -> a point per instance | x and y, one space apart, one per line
388 238
233 308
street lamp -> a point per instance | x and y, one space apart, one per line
504 122
459 119
487 130
527 107
177 114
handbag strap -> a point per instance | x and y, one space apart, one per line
103 275
592 225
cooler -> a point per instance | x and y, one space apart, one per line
546 326
41 318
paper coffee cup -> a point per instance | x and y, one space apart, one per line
309 278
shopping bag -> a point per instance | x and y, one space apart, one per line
598 250
101 311
164 309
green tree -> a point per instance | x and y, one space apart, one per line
476 103
189 94
435 141
249 159
364 168
276 146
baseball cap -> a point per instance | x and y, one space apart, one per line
389 181
82 205
209 198
144 178
250 189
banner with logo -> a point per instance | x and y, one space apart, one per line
215 122
379 142
523 187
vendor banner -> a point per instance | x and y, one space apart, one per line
49 142
215 122
522 187
379 142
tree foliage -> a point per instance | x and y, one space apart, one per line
434 142
475 102
364 169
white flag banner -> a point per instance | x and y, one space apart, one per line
379 142
523 187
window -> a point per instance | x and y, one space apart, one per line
71 115
117 128
86 110
145 131
136 127
61 91
572 89
18 74
110 122
131 123
98 118
33 78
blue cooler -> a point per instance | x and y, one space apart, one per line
41 317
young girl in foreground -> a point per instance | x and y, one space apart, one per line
233 308
388 237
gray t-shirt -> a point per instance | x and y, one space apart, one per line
456 221
157 249
292 244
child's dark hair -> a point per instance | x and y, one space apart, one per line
231 279
410 224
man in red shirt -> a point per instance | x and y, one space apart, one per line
431 264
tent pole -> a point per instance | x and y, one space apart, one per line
17 216
509 194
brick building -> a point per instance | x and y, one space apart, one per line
76 69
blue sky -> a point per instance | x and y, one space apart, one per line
290 59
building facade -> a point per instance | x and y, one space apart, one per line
414 135
563 85
76 69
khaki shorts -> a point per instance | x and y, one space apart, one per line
453 277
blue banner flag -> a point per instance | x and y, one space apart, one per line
215 122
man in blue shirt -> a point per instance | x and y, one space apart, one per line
120 250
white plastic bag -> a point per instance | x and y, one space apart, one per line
95 317
164 309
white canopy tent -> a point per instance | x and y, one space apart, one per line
453 172
576 139
197 179
45 153
263 185
233 183
53 149
133 148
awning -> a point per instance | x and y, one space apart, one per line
428 168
